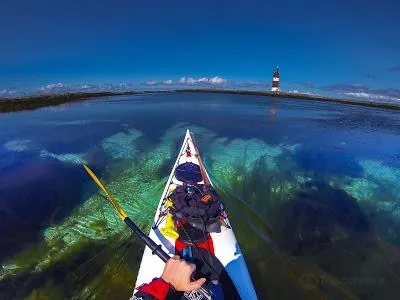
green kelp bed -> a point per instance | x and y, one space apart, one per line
302 238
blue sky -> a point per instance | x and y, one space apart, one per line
333 48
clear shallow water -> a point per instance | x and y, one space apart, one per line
312 190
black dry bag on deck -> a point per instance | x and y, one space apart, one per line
197 205
188 173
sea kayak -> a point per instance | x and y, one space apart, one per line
222 247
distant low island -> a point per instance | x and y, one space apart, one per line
39 101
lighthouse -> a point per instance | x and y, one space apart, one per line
275 81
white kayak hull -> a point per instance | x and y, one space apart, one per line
226 247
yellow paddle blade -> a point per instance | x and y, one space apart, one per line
110 197
169 229
169 203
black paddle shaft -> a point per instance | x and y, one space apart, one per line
155 249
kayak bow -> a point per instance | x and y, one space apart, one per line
220 253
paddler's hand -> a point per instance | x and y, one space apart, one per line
178 272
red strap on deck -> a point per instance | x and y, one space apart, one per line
206 245
188 151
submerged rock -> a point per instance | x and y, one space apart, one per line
317 216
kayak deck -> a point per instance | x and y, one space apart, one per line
226 247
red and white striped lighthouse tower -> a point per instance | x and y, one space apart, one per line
275 81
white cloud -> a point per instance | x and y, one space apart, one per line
125 85
53 86
85 87
358 94
203 80
371 96
190 81
250 85
301 92
7 92
217 80
187 80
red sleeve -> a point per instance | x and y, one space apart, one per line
157 288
